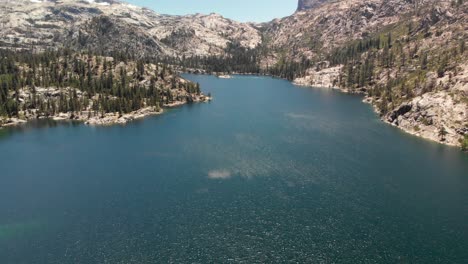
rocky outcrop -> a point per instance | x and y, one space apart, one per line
437 116
327 77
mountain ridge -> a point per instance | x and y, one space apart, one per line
50 23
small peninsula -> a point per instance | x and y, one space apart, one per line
81 86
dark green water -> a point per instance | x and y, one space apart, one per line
266 173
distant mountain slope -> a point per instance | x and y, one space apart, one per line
114 25
332 24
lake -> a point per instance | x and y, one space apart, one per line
267 172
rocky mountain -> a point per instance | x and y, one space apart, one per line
331 25
408 57
115 25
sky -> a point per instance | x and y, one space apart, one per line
240 10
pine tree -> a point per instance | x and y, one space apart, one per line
442 133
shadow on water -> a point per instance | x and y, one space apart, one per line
33 125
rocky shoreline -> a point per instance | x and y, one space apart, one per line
90 118
437 116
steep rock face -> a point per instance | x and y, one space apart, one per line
429 114
309 4
327 78
331 25
119 26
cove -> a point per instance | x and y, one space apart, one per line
267 172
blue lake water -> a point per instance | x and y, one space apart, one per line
268 172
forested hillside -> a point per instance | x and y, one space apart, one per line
84 86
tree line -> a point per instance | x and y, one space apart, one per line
85 81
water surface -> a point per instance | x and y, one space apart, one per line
266 173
